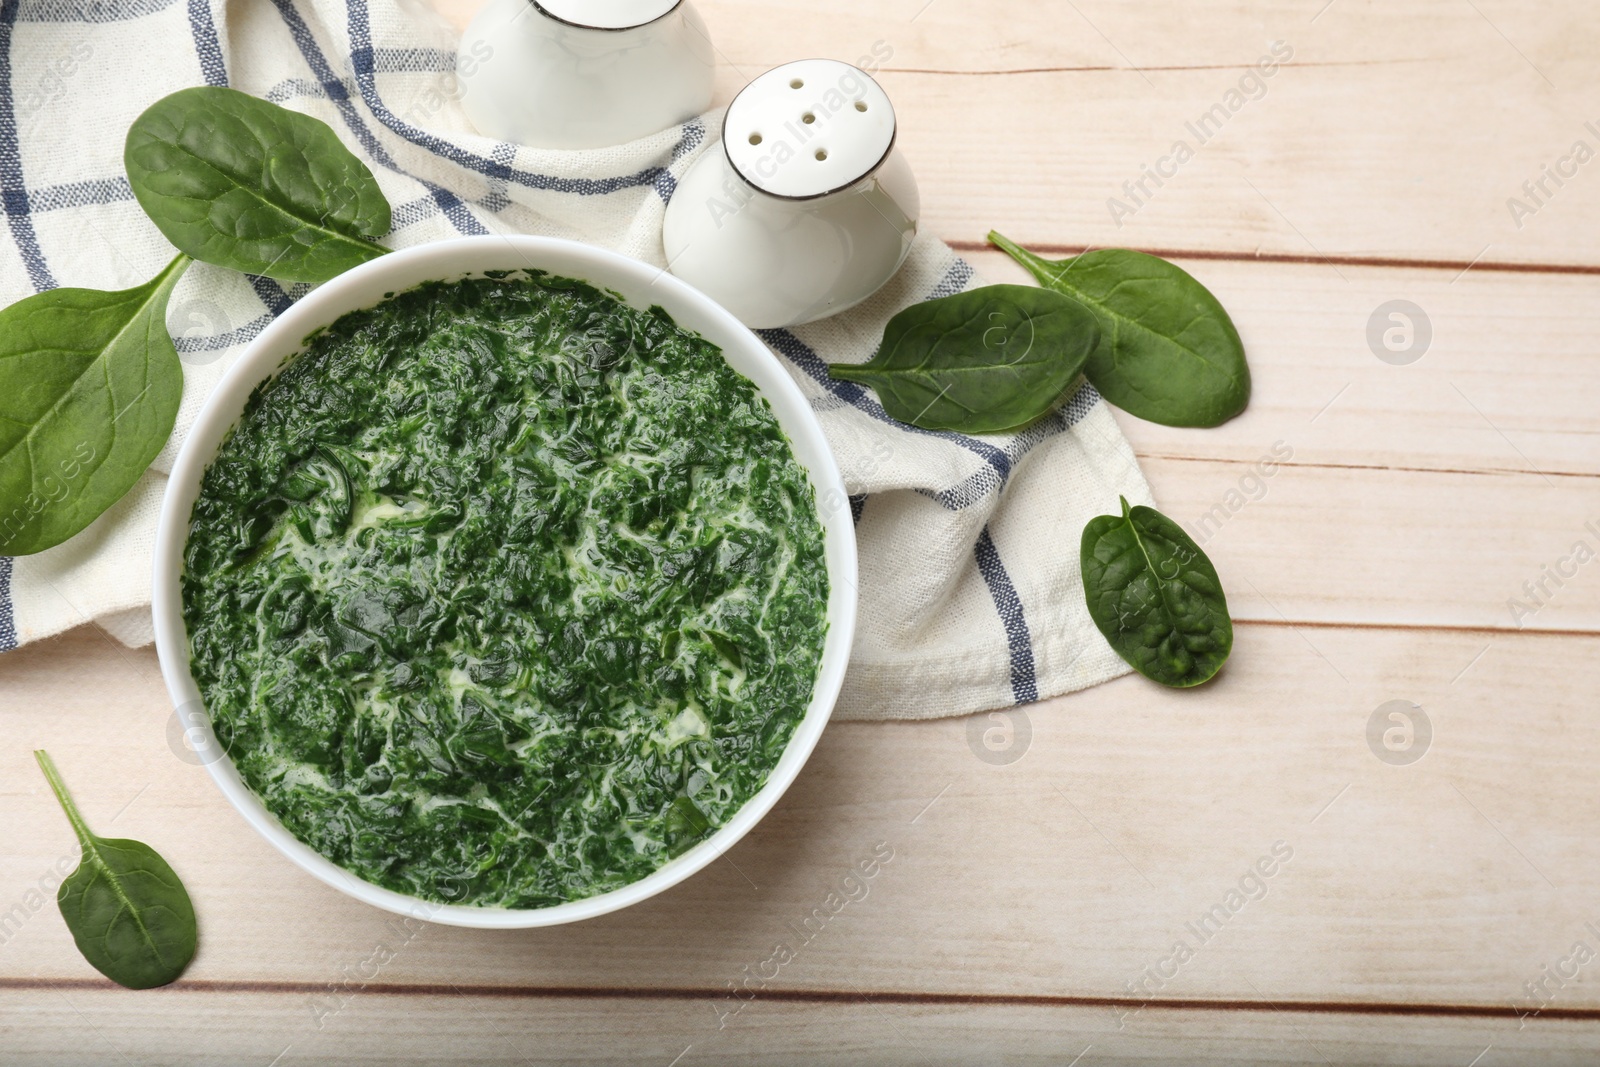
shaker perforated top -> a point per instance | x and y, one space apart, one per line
809 128
607 14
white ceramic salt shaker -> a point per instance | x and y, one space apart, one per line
584 73
808 209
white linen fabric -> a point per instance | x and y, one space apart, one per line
969 588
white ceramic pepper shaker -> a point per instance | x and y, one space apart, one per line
807 210
584 73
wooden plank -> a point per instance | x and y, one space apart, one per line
396 1030
1331 545
1071 872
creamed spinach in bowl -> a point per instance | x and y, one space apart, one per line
504 592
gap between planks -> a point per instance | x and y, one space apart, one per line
1458 266
1411 627
828 996
1107 68
1494 472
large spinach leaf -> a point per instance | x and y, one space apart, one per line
1168 351
127 910
244 183
986 361
1155 596
89 389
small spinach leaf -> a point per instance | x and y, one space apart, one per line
685 826
127 910
244 183
89 390
1155 596
986 361
1168 351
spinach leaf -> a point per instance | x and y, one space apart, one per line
986 361
1168 351
1155 596
89 389
244 183
127 910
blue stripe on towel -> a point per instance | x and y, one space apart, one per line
79 194
91 11
270 294
13 187
1024 686
206 45
412 60
217 342
980 484
290 88
954 281
8 622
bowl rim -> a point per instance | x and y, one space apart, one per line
284 338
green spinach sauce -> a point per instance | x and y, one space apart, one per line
504 592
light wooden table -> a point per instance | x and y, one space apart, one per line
1030 910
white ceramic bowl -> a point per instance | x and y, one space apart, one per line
641 286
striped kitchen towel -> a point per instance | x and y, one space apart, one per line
970 592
